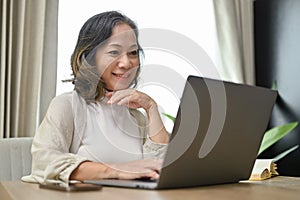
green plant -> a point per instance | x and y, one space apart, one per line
283 154
275 134
169 116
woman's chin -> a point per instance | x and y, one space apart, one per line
118 87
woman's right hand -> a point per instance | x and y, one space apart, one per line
146 168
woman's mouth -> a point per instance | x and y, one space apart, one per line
121 76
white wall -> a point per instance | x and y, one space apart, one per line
185 31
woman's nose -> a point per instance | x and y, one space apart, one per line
124 61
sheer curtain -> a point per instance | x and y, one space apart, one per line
28 55
234 21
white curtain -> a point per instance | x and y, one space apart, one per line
235 30
28 52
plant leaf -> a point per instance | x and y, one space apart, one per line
274 85
169 116
275 134
283 154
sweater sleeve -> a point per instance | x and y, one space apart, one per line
153 150
51 157
150 149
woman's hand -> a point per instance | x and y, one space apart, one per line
131 98
146 168
135 99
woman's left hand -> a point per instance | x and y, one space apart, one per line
131 98
136 99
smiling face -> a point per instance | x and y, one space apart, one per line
118 59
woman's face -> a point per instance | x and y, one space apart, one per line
117 60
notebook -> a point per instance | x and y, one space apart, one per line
216 135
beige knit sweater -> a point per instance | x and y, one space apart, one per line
57 139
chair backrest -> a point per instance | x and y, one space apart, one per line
15 158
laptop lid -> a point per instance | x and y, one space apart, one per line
216 136
217 133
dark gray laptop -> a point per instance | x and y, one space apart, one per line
216 136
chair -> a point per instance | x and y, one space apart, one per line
15 157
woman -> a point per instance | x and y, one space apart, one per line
97 131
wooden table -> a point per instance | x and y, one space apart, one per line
281 188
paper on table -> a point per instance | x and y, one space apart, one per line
263 169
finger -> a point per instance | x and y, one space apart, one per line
125 101
109 94
117 96
154 164
130 101
152 175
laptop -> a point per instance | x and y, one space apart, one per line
216 135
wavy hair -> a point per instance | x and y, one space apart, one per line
93 33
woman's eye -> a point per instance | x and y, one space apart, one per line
134 53
114 53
